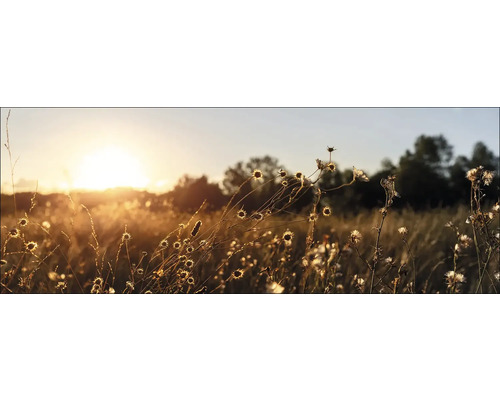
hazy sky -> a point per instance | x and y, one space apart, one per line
155 147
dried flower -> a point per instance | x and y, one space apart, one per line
312 217
465 241
452 278
31 246
359 175
327 211
241 214
355 236
403 231
237 274
282 173
14 232
331 166
257 174
488 177
126 236
288 236
275 288
23 222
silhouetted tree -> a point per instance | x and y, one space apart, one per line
189 193
239 175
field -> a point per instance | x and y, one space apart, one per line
129 247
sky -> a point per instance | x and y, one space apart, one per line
70 148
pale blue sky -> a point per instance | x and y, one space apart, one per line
165 143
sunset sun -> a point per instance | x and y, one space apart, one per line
109 167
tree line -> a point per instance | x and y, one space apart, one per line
427 176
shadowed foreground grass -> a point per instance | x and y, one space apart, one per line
126 248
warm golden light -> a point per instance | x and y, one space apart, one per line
108 168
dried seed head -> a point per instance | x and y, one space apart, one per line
453 278
288 236
488 177
31 246
190 280
403 231
241 214
257 174
163 244
177 245
189 263
299 175
126 236
355 236
331 166
196 229
330 149
359 175
327 211
237 274
14 232
282 173
312 217
23 222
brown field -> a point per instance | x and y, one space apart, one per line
125 247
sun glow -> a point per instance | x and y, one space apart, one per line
110 167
